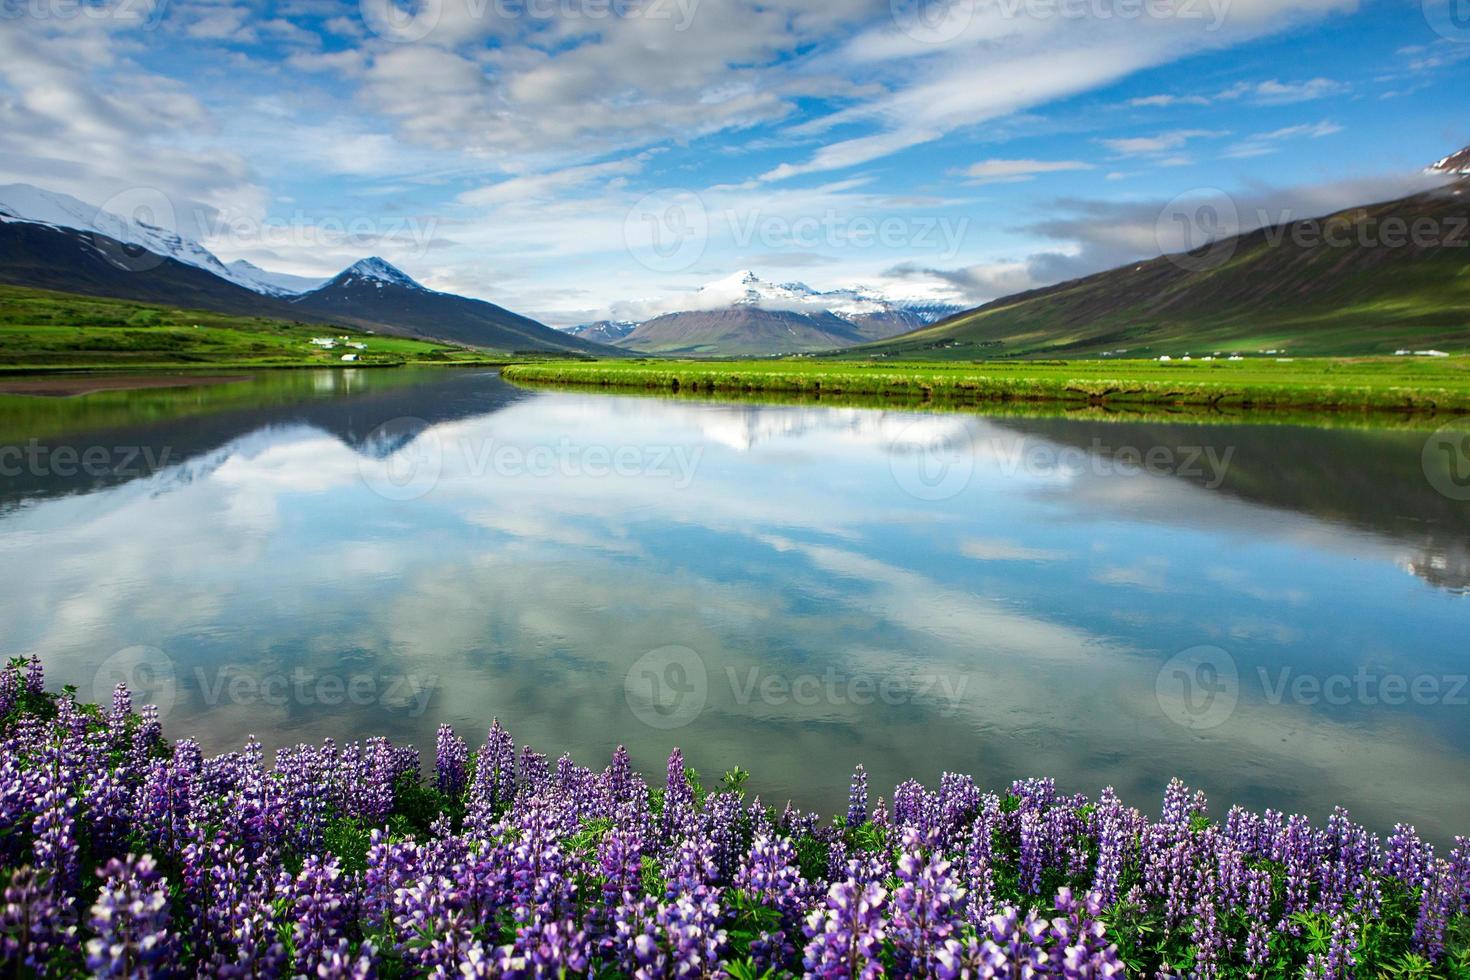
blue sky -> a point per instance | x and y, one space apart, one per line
575 159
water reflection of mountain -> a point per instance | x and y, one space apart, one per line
374 420
1371 480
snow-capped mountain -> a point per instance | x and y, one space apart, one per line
252 276
374 292
25 202
604 331
745 314
377 273
54 241
34 205
745 288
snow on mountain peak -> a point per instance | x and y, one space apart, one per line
34 205
252 276
1457 164
380 270
745 288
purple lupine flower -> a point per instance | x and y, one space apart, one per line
926 909
620 859
1258 912
1033 851
1338 962
678 815
36 919
450 759
10 684
857 798
1207 936
509 894
980 864
339 963
1014 947
322 907
35 676
1080 948
131 921
845 937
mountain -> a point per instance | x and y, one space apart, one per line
1368 280
252 276
69 260
25 202
373 294
57 242
743 314
603 331
746 330
1456 164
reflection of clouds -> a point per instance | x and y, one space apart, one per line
994 549
1150 574
792 551
1239 580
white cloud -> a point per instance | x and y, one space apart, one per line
1263 143
1004 171
1134 146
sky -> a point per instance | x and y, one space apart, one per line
584 159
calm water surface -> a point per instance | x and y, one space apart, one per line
1275 613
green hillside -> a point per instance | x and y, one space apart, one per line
42 330
1370 280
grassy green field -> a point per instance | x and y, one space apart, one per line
46 331
1394 383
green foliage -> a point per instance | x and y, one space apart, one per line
349 841
42 329
1258 383
733 781
748 919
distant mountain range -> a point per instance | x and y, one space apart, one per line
54 241
1368 280
1374 279
604 331
743 314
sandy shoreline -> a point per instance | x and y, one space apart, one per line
78 384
